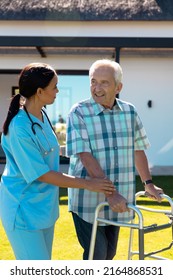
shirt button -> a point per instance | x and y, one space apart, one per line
116 148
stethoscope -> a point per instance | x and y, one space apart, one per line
34 124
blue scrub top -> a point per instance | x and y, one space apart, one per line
26 160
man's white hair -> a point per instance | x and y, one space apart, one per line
118 73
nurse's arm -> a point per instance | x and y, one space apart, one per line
67 181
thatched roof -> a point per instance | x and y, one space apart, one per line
86 10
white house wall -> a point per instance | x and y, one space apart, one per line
6 83
67 62
151 79
144 79
88 28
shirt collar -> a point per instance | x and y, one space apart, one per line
99 108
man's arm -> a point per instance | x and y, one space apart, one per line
141 163
116 201
92 166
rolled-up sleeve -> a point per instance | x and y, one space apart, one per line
141 140
77 136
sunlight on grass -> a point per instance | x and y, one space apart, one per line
152 241
66 245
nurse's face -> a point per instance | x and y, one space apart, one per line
48 94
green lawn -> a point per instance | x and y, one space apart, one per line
66 246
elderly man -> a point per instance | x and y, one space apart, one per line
106 138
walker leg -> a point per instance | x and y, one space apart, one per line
93 240
141 244
130 244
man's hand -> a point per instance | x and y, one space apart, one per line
153 192
117 203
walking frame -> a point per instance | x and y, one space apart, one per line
139 225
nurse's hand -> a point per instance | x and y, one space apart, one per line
100 185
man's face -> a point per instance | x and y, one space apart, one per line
103 87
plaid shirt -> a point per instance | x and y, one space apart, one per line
111 136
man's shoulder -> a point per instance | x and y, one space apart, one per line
125 105
81 105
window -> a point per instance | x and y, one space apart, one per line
15 90
72 89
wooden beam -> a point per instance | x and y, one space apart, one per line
114 42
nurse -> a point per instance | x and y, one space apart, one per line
29 189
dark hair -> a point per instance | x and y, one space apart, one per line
32 77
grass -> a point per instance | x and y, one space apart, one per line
66 245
